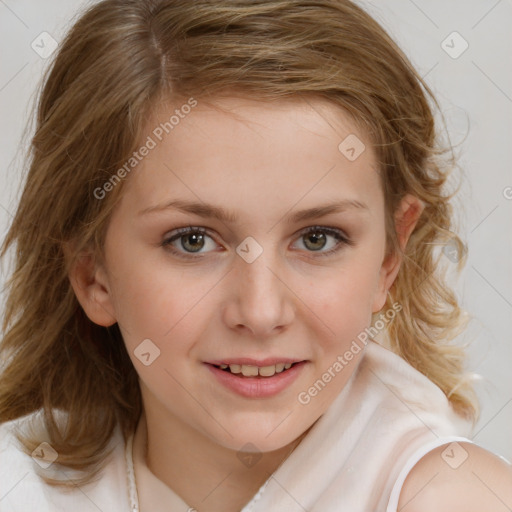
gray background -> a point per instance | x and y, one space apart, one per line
475 92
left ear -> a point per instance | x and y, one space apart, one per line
406 217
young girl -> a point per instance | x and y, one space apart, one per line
228 204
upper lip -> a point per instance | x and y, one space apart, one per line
249 361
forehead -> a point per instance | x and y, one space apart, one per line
241 150
307 117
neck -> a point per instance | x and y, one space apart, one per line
206 475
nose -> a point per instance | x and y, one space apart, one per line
259 300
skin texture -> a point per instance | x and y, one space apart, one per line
476 480
263 162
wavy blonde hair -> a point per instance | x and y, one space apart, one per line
119 60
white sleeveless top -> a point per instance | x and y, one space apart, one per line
355 457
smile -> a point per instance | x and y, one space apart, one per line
264 380
247 370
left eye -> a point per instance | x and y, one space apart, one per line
316 238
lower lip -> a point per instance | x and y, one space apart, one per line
257 387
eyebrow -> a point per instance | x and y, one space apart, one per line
218 212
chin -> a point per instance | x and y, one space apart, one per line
260 436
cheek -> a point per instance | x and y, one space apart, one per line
343 300
150 298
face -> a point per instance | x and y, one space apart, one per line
222 252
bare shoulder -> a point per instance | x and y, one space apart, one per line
458 476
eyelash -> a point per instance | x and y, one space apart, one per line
341 238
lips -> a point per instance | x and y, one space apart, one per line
250 384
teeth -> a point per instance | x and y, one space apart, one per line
249 371
267 371
252 371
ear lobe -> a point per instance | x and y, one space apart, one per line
90 284
406 217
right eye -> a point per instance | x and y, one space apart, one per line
184 242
